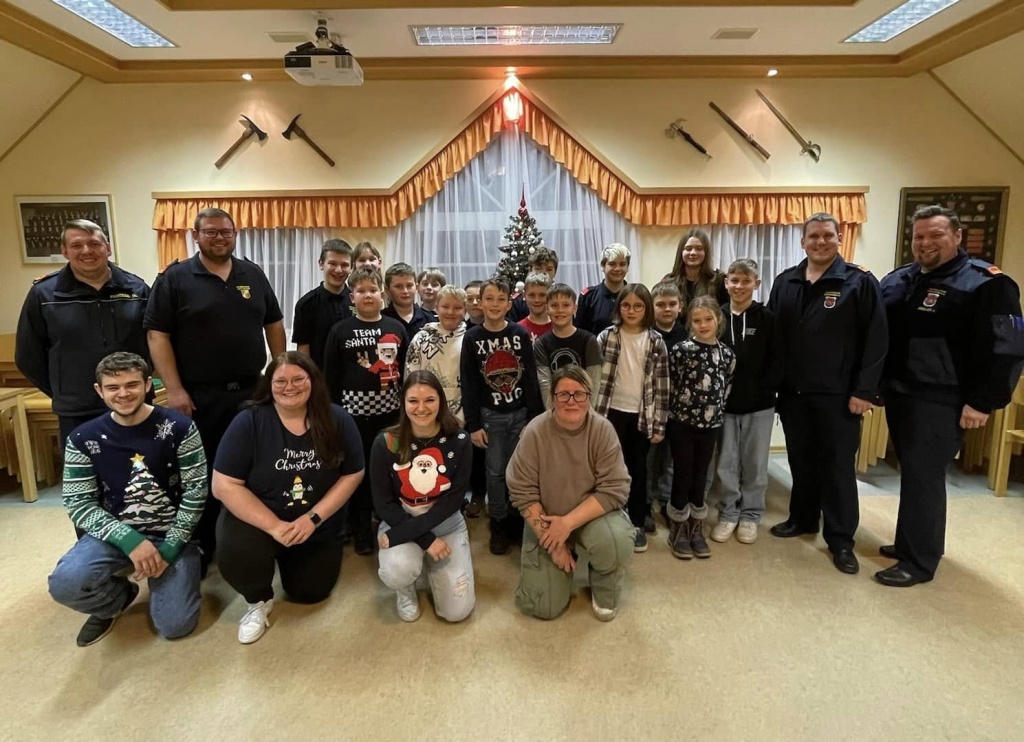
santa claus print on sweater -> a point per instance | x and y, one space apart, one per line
423 477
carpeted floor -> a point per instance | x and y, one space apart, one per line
762 642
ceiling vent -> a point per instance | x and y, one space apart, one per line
735 34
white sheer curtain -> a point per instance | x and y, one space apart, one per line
288 257
460 229
774 247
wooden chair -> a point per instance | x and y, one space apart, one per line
1009 437
874 438
10 376
16 441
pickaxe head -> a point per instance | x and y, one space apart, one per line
251 126
287 133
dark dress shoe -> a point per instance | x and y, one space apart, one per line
897 576
789 529
889 551
845 561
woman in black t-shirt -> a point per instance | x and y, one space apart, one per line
286 466
419 473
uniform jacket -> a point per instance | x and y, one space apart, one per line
956 334
66 327
833 332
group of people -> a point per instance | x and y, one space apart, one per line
566 416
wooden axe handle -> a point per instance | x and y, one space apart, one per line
305 137
231 150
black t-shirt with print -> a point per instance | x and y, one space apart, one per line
554 352
281 468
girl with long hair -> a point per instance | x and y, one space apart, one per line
693 271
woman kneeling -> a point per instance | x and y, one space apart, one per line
420 471
568 479
285 467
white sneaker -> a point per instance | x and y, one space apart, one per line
747 532
602 614
255 622
408 604
722 531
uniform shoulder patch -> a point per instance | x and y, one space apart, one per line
860 267
986 267
585 291
168 266
995 270
43 277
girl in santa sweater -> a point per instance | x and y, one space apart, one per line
419 473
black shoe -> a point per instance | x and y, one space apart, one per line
474 508
364 542
889 552
789 529
846 561
499 537
95 628
897 576
649 526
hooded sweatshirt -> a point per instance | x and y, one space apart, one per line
439 351
753 337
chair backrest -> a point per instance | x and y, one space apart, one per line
7 347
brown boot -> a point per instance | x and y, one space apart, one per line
679 539
697 541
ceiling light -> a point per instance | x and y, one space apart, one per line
597 33
246 76
115 22
772 72
900 19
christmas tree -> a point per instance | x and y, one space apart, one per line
522 238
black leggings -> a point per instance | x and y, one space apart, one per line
635 447
360 507
246 556
692 450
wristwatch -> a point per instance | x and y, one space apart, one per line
317 520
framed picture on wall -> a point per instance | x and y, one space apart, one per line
41 219
982 214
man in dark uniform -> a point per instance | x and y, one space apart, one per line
955 351
206 321
330 302
833 334
597 303
73 318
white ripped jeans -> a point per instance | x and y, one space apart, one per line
451 579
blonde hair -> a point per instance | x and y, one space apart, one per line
451 291
615 251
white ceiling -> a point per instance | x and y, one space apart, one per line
657 31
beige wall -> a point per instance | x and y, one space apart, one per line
131 140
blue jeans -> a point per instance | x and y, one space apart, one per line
85 580
451 579
503 431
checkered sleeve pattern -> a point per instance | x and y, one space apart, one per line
608 341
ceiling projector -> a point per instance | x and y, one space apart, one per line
323 62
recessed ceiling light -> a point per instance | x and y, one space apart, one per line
900 19
772 72
246 76
483 35
115 22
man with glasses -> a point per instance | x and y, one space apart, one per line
206 322
74 317
569 480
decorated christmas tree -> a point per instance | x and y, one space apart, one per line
522 238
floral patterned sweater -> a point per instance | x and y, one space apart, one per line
701 376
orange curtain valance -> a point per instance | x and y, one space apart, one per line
173 216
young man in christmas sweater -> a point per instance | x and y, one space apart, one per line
135 482
500 395
364 361
538 323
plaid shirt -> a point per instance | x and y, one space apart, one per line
654 410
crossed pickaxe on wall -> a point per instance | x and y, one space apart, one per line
251 128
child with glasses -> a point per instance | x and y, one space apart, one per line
634 391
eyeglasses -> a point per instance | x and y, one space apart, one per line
579 397
298 381
211 233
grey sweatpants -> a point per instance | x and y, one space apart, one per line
606 543
743 465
